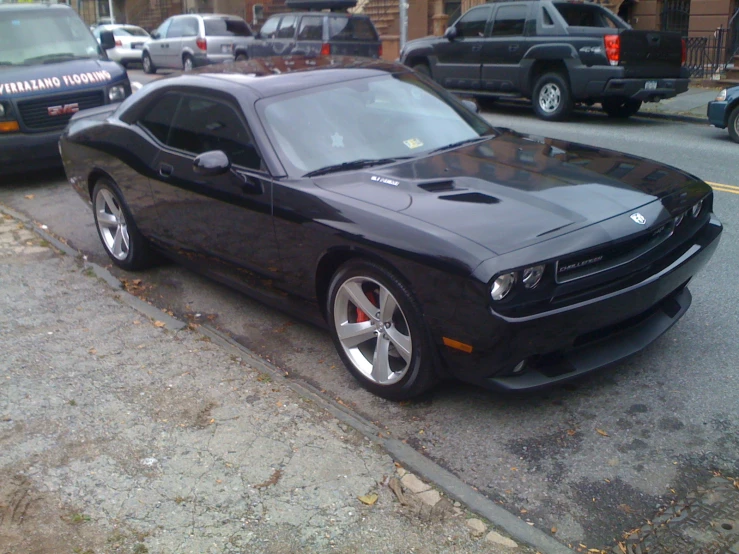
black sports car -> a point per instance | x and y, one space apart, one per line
365 197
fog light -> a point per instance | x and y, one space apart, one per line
679 219
722 95
2 110
695 210
502 286
519 367
116 93
532 276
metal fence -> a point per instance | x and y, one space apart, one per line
707 57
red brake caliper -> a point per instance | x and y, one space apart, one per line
361 316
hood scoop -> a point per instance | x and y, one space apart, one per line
472 197
444 185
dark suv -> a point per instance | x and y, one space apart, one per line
315 33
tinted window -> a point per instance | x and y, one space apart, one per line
129 32
510 21
287 27
226 28
158 119
311 28
202 125
472 24
583 15
351 28
270 27
546 18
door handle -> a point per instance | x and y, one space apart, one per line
512 47
165 170
477 48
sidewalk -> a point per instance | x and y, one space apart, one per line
690 105
132 434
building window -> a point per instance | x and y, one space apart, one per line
676 16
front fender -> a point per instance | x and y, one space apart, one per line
413 54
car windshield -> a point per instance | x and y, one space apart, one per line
227 28
377 118
130 31
44 36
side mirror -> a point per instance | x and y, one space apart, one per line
210 164
155 35
450 33
107 40
471 106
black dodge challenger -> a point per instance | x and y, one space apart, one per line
363 196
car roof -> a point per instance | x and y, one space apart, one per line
333 14
209 15
32 6
268 77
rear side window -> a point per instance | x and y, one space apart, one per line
311 28
287 27
158 118
509 21
269 28
351 28
472 24
583 15
227 28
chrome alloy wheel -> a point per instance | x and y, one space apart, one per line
550 97
146 60
736 126
373 330
112 224
188 65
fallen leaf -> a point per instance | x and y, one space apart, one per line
524 511
30 196
92 351
622 547
394 486
554 529
159 323
601 432
136 322
571 432
514 469
368 499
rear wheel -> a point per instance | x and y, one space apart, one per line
147 63
620 108
378 331
187 62
734 124
552 99
241 57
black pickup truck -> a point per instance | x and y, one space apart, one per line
556 53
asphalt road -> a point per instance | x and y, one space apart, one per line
591 459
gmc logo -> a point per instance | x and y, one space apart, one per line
67 109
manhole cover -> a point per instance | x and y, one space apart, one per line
706 523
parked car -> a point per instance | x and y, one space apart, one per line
50 68
315 33
129 42
192 40
359 195
724 112
557 54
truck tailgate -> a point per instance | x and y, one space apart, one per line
651 54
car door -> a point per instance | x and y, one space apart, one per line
156 46
172 42
222 221
458 64
504 48
284 42
262 47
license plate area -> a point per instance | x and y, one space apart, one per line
650 85
227 48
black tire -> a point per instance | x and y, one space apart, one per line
188 64
620 108
419 374
241 57
559 105
138 254
423 69
733 124
148 64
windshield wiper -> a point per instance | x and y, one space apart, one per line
460 143
53 58
356 164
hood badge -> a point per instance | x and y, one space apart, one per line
384 180
638 218
66 109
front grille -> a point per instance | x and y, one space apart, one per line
35 113
590 263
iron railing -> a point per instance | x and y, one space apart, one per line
707 57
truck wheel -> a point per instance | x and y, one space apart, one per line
147 63
734 124
423 69
620 108
552 98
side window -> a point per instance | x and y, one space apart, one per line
191 27
162 29
472 24
176 28
160 115
546 18
202 125
287 27
311 28
269 28
509 21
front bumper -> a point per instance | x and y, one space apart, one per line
716 113
20 152
569 342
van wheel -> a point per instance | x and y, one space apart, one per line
734 124
620 108
187 63
552 98
147 63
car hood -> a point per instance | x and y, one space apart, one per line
514 190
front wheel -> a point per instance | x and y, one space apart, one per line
620 108
147 63
552 99
734 124
378 331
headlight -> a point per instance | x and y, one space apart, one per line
679 219
532 276
2 110
695 210
721 96
116 93
502 286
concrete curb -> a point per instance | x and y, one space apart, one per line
451 485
